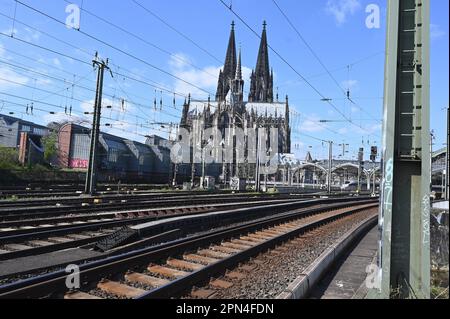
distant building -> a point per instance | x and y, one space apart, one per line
12 127
23 136
119 158
438 170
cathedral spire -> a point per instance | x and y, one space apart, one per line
237 88
262 64
229 69
262 80
239 67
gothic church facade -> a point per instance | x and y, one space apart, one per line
261 110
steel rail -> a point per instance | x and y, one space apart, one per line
45 285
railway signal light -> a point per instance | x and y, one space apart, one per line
373 153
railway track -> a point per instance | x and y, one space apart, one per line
113 196
117 203
45 237
60 190
175 267
31 237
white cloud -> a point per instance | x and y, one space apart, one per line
10 31
311 125
436 31
61 117
56 62
340 9
179 61
205 78
31 34
88 106
43 82
350 84
367 130
10 75
25 34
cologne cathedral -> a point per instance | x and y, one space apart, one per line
262 110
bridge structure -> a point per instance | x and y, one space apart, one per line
316 173
439 176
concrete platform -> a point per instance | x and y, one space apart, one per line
347 279
26 264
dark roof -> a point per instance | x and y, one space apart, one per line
11 120
109 137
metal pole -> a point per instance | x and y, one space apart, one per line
175 171
91 177
446 157
405 198
265 177
330 164
359 178
374 179
431 159
257 181
192 173
203 159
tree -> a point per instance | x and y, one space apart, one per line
49 143
9 158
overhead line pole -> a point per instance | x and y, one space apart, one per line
446 157
405 200
330 165
91 176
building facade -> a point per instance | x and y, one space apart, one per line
119 158
24 136
230 110
11 129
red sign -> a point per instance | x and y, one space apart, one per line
78 163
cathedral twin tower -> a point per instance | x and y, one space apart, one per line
230 78
229 108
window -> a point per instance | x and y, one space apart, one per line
39 131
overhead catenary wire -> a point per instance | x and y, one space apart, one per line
146 125
316 56
86 63
293 69
175 30
39 62
81 50
72 84
135 78
141 39
53 93
97 39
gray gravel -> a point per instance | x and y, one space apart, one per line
275 272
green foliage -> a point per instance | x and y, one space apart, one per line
49 143
38 168
9 158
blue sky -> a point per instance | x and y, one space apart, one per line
335 29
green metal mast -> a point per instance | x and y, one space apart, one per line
405 201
